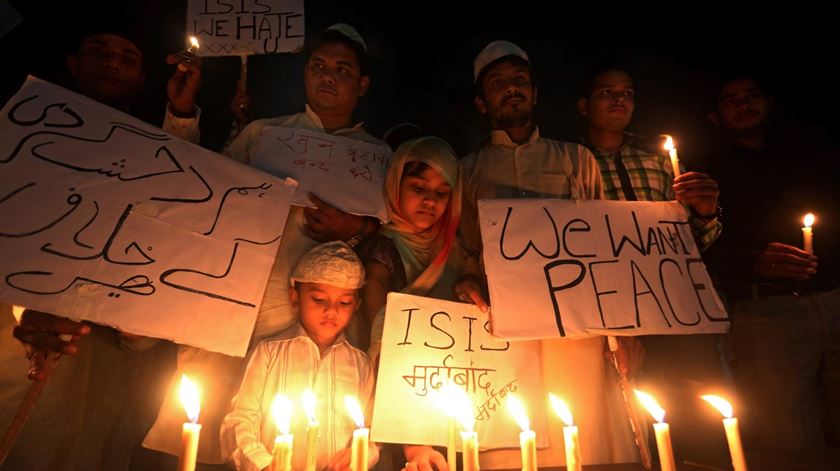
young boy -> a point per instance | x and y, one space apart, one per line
313 354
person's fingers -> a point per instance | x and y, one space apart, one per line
689 176
45 340
48 322
791 259
439 462
478 299
778 247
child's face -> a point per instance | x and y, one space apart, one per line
325 310
423 198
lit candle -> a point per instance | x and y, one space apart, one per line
446 399
188 54
672 151
359 450
570 434
311 431
527 438
189 436
733 436
662 429
281 409
469 438
808 233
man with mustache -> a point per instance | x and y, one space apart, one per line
784 301
517 162
637 169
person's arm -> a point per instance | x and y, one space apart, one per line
45 335
325 223
241 426
468 286
699 192
375 294
182 115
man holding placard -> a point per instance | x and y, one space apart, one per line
519 163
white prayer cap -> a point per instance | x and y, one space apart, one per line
348 32
494 51
332 263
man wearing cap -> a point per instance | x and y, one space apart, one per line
336 76
518 163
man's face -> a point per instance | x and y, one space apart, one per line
742 106
109 69
333 79
509 95
610 105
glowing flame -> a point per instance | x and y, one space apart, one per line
193 42
355 411
808 220
719 403
190 398
669 143
281 409
561 409
517 410
309 404
455 402
17 311
651 405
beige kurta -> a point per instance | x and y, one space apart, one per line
575 370
220 374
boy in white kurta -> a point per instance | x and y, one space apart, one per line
312 354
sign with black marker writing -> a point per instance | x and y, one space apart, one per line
578 268
108 219
428 344
245 27
346 173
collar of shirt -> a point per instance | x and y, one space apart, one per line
500 137
298 332
628 140
316 121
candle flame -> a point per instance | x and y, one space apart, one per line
669 143
281 409
355 411
455 402
808 219
561 409
190 398
517 410
651 405
722 405
194 42
17 311
309 404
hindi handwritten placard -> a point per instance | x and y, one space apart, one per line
346 173
108 219
245 27
428 343
595 267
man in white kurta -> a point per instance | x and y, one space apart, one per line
518 163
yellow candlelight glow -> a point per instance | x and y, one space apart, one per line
281 410
355 411
651 405
722 405
561 409
517 410
309 404
193 42
669 143
190 398
808 220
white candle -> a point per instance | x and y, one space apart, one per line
281 409
672 152
462 408
469 441
191 430
733 435
527 438
661 429
570 434
451 443
311 431
359 448
808 233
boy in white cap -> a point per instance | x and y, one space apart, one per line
312 354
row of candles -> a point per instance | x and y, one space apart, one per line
458 407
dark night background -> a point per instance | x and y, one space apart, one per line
423 53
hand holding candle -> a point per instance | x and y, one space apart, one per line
570 434
808 233
311 431
189 437
528 438
672 152
733 435
188 54
359 449
662 429
281 409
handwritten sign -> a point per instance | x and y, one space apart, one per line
428 343
245 27
108 219
595 267
346 173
